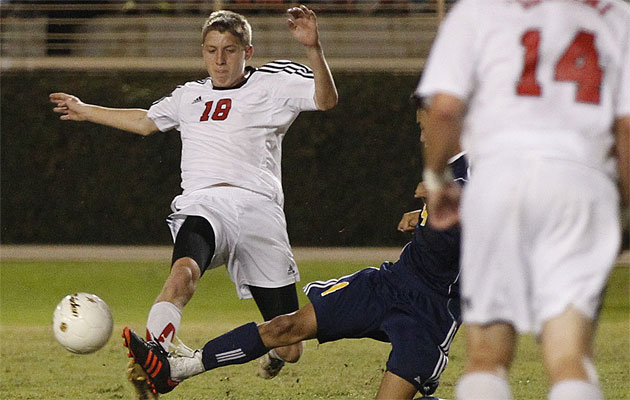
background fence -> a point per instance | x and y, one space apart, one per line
358 35
348 173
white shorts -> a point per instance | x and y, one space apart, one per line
250 235
538 236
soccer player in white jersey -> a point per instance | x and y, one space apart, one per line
539 93
231 209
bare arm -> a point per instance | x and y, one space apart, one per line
442 135
622 133
303 26
133 120
443 130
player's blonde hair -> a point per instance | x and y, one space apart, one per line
228 21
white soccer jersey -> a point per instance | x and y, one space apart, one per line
514 61
233 136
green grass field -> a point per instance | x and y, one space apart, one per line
34 366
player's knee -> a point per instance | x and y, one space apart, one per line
490 348
486 359
182 280
185 270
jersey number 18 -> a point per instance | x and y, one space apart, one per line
220 113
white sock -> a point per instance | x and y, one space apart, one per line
572 389
163 322
482 386
183 367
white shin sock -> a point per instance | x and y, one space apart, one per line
482 386
572 389
163 322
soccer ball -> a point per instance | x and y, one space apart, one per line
82 323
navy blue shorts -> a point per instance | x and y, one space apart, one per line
375 303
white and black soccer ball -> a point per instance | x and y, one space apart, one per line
82 323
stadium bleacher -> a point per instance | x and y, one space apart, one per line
371 34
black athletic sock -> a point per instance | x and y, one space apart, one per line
238 346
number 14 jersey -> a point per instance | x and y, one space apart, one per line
542 77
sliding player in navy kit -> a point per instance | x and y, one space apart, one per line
412 303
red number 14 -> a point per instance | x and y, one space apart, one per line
579 64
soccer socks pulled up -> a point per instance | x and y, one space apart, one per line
163 322
482 386
238 346
572 389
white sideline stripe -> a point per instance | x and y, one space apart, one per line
369 255
27 252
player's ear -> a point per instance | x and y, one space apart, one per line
249 52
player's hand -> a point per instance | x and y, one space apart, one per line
421 191
443 206
71 107
409 221
303 25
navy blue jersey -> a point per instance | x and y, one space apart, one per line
433 255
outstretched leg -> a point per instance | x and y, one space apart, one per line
251 341
241 345
246 343
192 253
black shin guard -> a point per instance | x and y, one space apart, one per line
195 239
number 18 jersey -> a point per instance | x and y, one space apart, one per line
543 77
233 136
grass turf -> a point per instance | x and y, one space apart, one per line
34 366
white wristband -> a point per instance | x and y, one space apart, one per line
433 181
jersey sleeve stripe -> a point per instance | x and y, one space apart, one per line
288 67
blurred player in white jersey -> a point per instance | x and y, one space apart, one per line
231 209
539 92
